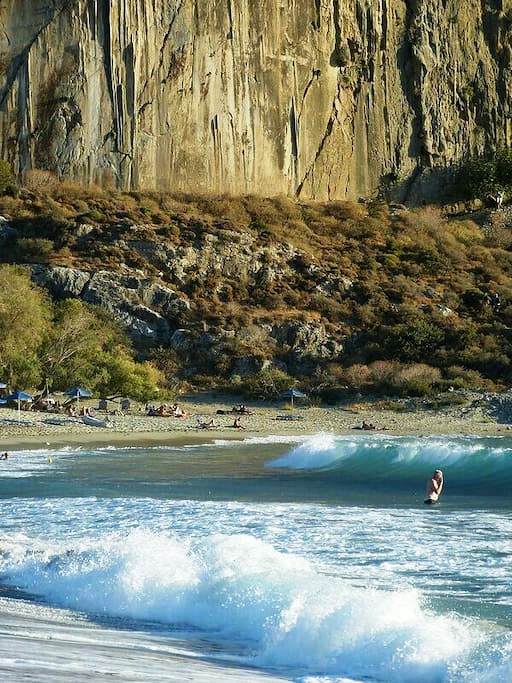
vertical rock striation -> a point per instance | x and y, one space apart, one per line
316 98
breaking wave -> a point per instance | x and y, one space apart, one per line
482 463
276 605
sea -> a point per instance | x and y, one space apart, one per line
310 559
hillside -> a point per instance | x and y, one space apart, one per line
242 292
320 100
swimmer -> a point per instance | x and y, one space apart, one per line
4 456
434 487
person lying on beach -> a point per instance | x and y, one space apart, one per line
201 424
434 487
237 424
241 409
366 426
179 412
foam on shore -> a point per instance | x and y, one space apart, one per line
273 603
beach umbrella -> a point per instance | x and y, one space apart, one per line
20 397
78 393
292 394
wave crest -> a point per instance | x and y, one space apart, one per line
275 603
482 463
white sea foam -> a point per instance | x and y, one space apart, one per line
251 441
316 452
276 603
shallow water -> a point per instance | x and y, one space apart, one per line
313 560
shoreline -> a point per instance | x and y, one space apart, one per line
181 438
37 430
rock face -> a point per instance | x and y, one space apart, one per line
316 98
146 309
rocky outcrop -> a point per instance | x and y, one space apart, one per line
320 99
148 310
155 315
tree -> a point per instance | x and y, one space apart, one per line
25 314
416 340
73 343
7 180
123 375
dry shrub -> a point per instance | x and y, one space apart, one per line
289 208
462 378
263 209
428 220
69 190
467 232
40 181
345 211
12 206
416 379
498 232
382 372
227 208
358 376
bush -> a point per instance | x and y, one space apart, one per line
416 380
27 250
384 377
7 179
39 181
486 175
267 384
412 341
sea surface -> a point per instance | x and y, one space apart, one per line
312 560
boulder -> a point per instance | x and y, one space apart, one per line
306 340
61 282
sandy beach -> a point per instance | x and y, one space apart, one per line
37 428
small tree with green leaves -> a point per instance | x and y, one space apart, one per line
7 179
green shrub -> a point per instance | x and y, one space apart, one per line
267 384
415 340
7 179
32 250
486 175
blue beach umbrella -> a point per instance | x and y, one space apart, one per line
292 394
19 397
78 393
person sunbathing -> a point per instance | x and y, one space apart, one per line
201 424
237 424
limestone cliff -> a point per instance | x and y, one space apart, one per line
318 98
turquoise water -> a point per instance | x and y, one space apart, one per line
313 561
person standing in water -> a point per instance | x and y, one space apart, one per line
434 487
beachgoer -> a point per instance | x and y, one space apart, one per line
237 424
201 424
434 487
4 456
179 412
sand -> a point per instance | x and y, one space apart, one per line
40 429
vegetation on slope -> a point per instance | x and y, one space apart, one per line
64 343
426 301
